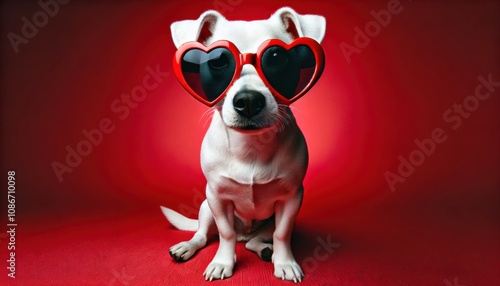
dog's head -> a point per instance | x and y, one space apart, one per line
249 104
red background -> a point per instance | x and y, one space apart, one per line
102 225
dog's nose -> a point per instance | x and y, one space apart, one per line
249 103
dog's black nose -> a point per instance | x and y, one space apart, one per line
249 103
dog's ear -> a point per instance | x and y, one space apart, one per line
312 26
199 30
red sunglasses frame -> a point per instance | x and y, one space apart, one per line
252 59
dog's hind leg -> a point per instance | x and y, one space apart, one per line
262 243
206 225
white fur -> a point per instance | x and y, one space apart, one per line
251 174
179 221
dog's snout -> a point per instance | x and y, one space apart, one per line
249 103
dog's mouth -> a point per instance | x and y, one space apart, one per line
248 127
252 126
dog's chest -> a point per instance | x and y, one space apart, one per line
252 173
253 188
252 201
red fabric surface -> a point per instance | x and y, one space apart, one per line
401 242
100 224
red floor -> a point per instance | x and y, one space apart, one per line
436 241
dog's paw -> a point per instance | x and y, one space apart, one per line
183 251
266 254
288 270
217 270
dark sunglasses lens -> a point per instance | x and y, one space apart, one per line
208 74
288 71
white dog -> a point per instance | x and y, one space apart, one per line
254 156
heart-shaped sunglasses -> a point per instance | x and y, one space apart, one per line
288 70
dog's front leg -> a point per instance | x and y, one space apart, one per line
285 266
223 211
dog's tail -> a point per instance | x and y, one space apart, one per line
179 221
